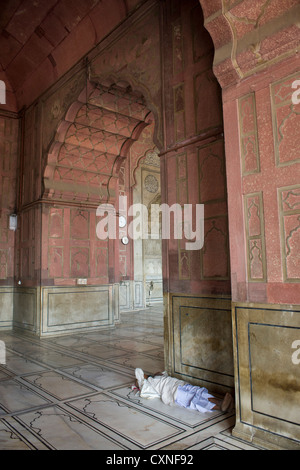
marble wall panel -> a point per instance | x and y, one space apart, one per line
125 298
138 294
6 307
267 373
66 309
26 306
202 347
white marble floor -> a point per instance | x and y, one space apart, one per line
74 392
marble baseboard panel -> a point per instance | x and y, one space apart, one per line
131 295
267 373
138 294
26 311
199 335
116 303
125 293
52 311
69 309
6 307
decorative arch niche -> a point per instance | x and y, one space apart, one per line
92 142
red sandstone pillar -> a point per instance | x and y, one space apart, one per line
257 65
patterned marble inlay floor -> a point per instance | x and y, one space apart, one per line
74 392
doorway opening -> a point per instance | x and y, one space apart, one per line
145 289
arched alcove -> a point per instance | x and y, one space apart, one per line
92 141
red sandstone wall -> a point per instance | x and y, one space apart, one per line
9 131
194 159
71 248
262 140
69 155
256 62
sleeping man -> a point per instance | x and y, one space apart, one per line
174 391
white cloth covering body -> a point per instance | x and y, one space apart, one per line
168 389
160 386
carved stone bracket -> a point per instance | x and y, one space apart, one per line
249 36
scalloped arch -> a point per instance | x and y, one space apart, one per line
93 140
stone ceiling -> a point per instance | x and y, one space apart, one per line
41 39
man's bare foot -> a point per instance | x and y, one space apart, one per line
227 403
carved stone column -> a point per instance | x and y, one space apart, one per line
257 64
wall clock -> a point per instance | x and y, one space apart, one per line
122 221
